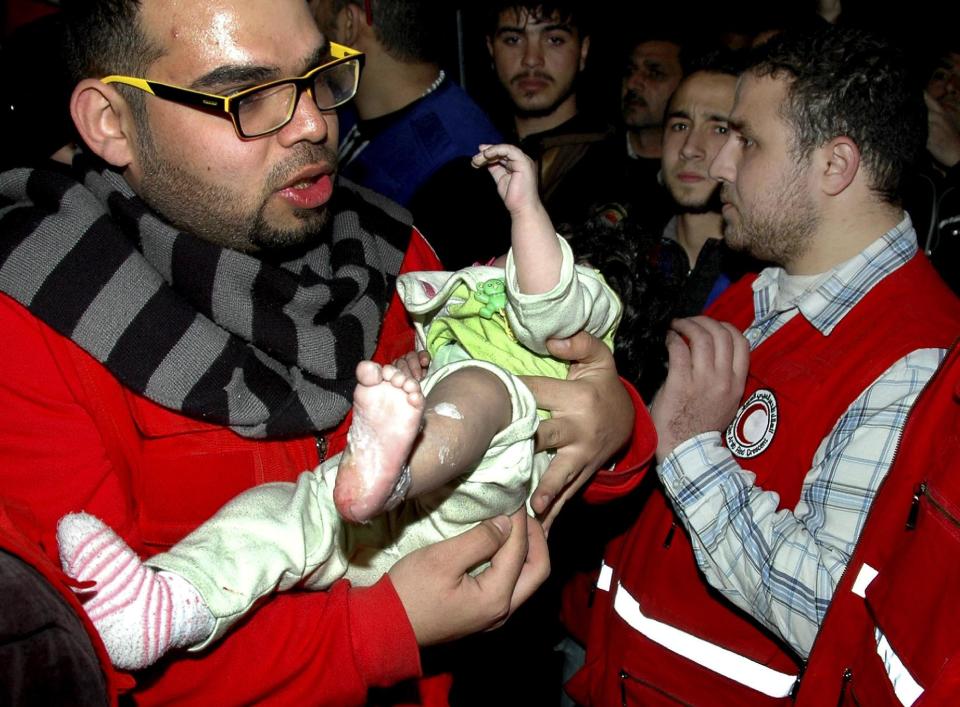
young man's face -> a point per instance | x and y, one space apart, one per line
767 194
537 59
191 166
651 76
694 131
944 87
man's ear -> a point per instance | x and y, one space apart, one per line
350 22
584 51
104 121
841 162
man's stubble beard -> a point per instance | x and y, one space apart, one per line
542 112
632 104
782 231
695 205
211 211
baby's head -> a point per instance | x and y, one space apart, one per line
623 253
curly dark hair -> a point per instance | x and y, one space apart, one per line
571 12
848 81
620 249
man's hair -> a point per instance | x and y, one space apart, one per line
719 62
103 37
407 29
571 12
656 32
847 81
728 62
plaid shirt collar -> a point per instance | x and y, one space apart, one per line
830 300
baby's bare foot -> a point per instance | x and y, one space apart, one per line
387 410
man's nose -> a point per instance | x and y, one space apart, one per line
636 81
532 54
308 123
692 147
723 167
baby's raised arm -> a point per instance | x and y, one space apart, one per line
536 252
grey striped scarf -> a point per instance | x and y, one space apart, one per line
268 349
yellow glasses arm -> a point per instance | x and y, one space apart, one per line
341 51
173 93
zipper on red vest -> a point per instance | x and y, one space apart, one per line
845 680
915 505
924 491
321 449
625 676
670 533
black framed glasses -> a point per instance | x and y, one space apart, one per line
264 109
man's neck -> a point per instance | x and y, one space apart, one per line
842 234
693 230
533 124
387 85
645 142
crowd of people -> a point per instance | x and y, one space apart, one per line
314 373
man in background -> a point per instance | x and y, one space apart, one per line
411 130
539 52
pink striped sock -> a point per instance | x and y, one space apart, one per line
139 612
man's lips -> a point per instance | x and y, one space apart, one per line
691 177
311 188
531 83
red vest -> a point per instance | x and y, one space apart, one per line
660 634
172 472
155 475
908 558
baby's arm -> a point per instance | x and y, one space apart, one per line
580 301
533 239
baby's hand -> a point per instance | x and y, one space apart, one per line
514 173
414 364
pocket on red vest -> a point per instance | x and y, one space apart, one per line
914 602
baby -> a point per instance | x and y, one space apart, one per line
429 452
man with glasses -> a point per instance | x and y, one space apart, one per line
185 306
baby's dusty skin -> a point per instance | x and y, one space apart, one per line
387 412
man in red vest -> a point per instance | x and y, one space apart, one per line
773 442
183 308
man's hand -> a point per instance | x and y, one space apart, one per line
443 602
943 140
592 419
708 368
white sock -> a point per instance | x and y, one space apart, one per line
140 612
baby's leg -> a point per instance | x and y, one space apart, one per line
139 612
387 411
463 413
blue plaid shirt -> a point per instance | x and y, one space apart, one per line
782 567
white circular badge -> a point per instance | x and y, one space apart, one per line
754 425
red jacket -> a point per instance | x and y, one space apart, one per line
654 615
72 438
904 576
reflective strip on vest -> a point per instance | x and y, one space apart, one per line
864 577
605 577
904 686
711 656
